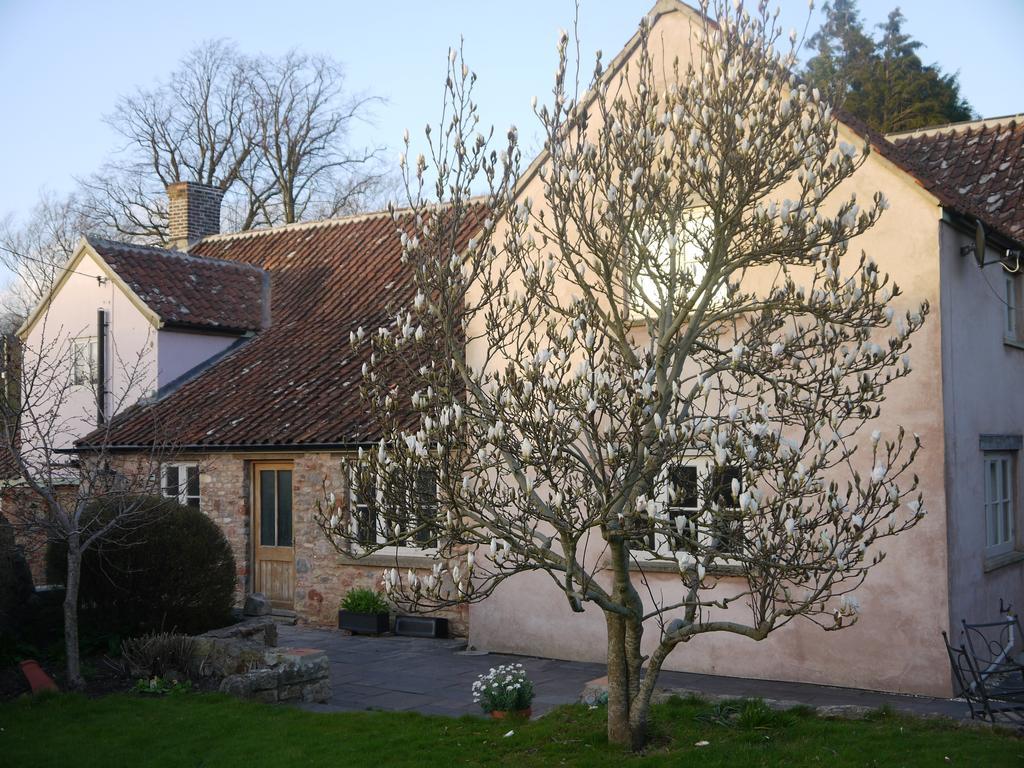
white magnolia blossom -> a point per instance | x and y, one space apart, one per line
596 384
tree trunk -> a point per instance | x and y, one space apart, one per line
74 668
627 725
618 681
625 661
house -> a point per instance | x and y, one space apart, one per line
248 335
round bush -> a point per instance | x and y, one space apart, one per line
15 580
172 570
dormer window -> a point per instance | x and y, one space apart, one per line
83 361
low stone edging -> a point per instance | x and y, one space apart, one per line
246 656
596 692
291 675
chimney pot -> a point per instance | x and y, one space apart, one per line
193 212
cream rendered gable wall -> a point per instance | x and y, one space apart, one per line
142 354
896 644
71 313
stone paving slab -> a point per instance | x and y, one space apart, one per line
430 676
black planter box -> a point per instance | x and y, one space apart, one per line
421 626
364 623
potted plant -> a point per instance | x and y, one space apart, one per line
364 611
504 691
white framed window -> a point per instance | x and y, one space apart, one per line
1010 305
83 361
181 482
413 515
688 493
680 266
1000 502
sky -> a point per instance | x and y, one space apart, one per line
63 63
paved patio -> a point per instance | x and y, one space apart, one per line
435 677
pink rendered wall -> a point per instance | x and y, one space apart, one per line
141 358
896 645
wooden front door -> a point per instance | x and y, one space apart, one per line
272 523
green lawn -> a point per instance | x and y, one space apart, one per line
211 730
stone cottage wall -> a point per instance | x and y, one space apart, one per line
19 505
322 575
224 496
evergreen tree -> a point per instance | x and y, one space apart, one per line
883 82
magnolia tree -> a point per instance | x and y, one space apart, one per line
682 287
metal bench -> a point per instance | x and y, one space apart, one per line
1007 708
995 647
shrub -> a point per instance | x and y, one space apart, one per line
15 581
364 601
504 689
172 570
158 653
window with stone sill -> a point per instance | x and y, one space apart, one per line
418 507
181 482
1000 503
688 492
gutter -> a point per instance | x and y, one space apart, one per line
227 447
967 225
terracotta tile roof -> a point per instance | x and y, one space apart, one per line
978 166
185 290
297 382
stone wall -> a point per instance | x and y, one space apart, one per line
322 575
251 665
224 496
25 510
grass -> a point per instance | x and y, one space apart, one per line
212 730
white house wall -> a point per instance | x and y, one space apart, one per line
982 382
181 351
131 345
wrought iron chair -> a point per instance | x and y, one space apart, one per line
971 686
995 647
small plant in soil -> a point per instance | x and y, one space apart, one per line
364 601
160 686
504 689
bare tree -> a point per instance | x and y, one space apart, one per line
684 287
196 126
61 486
34 252
303 118
272 133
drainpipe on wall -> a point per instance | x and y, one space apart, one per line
101 367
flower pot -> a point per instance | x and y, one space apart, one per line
421 626
38 680
364 623
512 714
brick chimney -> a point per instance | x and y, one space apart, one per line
193 213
